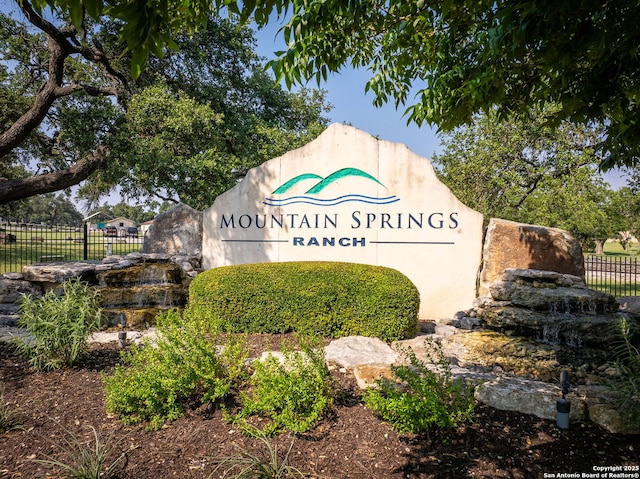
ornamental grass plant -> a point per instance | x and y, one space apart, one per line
58 324
99 458
626 384
267 462
10 417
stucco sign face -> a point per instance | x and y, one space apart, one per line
349 197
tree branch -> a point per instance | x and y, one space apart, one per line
34 116
166 198
11 190
60 49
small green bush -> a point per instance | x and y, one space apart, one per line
292 394
317 298
188 361
423 394
59 325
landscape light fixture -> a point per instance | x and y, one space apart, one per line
563 405
122 334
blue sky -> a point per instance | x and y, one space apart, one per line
345 91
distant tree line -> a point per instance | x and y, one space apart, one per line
51 210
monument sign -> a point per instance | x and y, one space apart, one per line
350 197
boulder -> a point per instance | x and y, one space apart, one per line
494 352
608 417
517 245
177 231
133 337
140 273
630 305
550 307
137 285
597 331
367 374
602 409
550 292
526 396
149 295
12 289
52 274
353 350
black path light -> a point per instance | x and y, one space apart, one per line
122 334
563 405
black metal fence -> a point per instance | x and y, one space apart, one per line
617 275
24 244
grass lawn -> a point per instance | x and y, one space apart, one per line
613 248
618 273
618 289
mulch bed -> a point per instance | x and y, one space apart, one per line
351 442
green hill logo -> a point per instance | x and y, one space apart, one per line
320 183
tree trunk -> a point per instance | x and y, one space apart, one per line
600 246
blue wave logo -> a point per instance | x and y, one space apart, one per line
320 184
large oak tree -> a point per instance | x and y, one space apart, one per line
199 115
458 57
42 64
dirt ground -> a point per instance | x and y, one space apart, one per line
350 442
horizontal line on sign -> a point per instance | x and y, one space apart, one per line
255 241
412 242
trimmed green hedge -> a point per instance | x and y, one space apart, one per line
323 298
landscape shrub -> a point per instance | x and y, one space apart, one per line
422 393
189 360
626 384
291 393
318 298
58 324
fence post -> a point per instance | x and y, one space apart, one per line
85 238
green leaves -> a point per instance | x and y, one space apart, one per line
193 360
474 55
422 393
320 298
223 113
59 325
179 151
524 170
186 362
215 111
292 393
626 385
465 58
